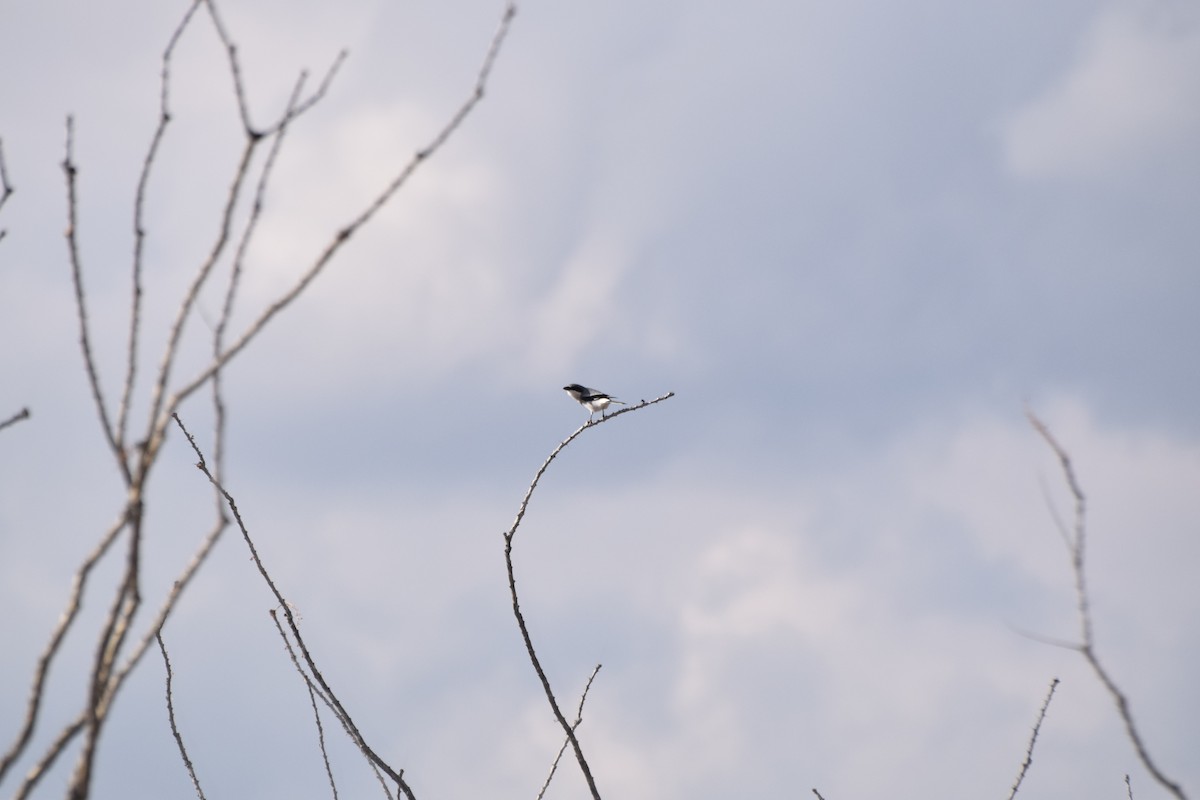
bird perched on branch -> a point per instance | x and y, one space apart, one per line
592 399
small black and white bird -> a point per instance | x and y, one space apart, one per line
592 399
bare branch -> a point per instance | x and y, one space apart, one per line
218 341
1077 537
74 603
168 605
343 235
313 693
39 770
511 532
158 418
1037 726
187 762
1087 647
85 341
512 585
15 418
574 726
239 88
337 706
6 188
139 229
112 637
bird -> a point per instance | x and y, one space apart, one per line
592 399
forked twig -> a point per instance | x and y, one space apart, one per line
509 535
574 726
343 235
1037 726
158 418
326 690
313 693
1077 541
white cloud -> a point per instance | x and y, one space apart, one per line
1133 90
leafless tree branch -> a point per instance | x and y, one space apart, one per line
6 188
15 418
1077 540
316 713
116 626
42 670
326 690
139 228
509 535
343 235
187 762
85 339
574 726
39 770
1037 726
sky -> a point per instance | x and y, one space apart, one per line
857 241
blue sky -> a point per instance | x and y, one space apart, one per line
856 240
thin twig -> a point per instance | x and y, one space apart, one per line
236 271
1077 536
338 708
509 535
818 794
139 228
574 726
313 693
1087 645
6 188
1037 726
15 418
235 69
168 604
554 454
85 339
187 762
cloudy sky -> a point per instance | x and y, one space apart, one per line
857 240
